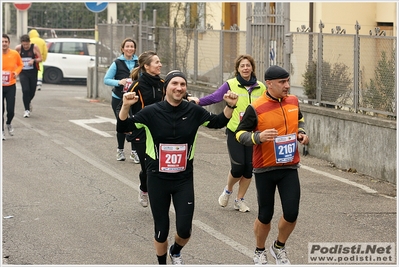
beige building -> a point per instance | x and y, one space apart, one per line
229 15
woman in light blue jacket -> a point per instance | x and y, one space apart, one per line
118 76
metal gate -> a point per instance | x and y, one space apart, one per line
267 27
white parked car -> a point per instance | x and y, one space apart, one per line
69 58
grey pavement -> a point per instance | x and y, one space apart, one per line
67 201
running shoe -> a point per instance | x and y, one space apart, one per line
120 156
260 257
134 157
10 129
143 198
4 137
176 259
240 205
26 114
39 85
280 255
224 198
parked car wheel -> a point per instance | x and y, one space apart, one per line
52 75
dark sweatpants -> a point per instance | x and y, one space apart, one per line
28 80
9 93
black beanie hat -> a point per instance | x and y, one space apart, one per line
171 75
276 72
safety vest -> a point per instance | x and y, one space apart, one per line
245 97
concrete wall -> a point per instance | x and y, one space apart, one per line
348 140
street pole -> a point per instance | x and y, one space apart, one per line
140 31
96 62
22 23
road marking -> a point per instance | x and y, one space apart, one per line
206 228
225 239
326 174
102 167
343 180
346 181
84 123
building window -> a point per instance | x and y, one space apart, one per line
195 15
386 28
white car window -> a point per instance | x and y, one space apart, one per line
69 48
91 48
79 48
55 48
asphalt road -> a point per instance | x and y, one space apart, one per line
67 201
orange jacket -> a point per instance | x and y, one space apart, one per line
283 116
12 67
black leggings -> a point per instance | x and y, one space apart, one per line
140 149
181 191
240 157
28 80
120 137
287 182
9 93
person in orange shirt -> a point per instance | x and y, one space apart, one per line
274 125
11 68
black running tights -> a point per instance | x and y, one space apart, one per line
9 102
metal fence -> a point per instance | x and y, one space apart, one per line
353 72
346 71
207 57
343 71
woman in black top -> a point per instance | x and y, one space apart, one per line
149 87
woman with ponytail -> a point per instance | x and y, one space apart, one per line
148 85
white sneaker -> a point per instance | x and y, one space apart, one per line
120 155
135 157
39 85
10 129
26 114
143 198
4 137
240 205
176 259
280 255
224 198
260 257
